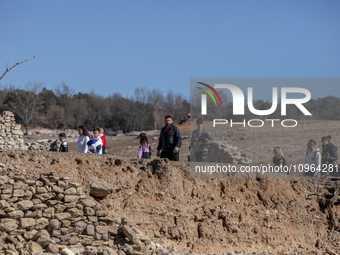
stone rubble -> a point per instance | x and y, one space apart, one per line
220 151
40 145
52 215
45 144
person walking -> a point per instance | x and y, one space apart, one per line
329 157
170 140
200 141
144 148
63 146
278 159
95 144
103 137
84 137
313 160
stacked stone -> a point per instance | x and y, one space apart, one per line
226 153
54 215
11 136
40 145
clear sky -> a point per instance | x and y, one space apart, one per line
116 46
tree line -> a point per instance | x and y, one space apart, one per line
62 108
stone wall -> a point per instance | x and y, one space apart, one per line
223 152
11 136
52 215
40 145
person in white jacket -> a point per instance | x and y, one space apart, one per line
84 137
313 160
95 144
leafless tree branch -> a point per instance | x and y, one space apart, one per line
9 69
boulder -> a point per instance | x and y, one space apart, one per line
100 188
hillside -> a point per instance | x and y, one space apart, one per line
196 215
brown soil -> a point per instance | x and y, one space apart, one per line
197 215
208 215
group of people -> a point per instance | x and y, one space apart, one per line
87 143
318 164
170 140
95 143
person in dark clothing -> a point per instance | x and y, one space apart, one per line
329 157
170 140
200 141
63 146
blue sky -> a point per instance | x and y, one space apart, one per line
115 46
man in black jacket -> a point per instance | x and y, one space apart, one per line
170 141
329 157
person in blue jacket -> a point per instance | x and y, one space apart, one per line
95 144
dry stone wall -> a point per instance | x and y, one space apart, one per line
40 145
11 136
52 215
220 151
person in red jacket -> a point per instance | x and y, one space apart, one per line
103 137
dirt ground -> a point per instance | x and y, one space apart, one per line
272 216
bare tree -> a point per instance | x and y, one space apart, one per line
64 89
9 69
24 102
156 99
141 95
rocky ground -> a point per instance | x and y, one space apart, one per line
186 215
249 216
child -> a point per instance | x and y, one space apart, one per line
144 149
95 144
63 146
103 137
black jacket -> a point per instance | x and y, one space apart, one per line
330 150
168 141
63 147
